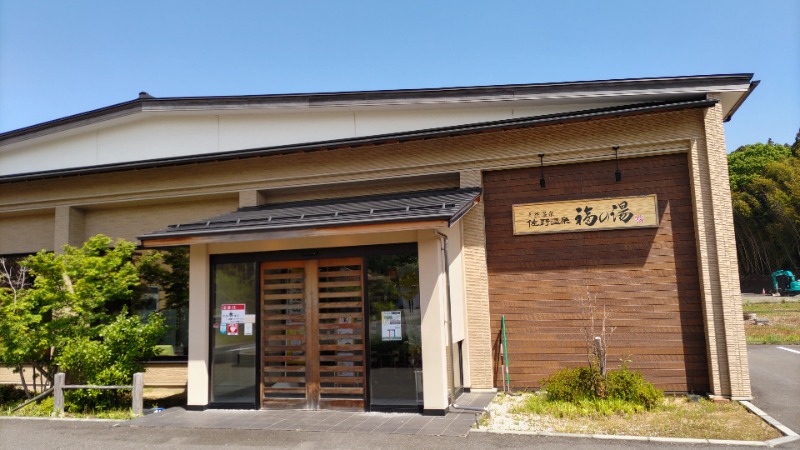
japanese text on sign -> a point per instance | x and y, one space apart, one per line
232 313
586 215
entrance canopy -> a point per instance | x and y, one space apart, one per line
365 214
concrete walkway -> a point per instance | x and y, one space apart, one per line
453 424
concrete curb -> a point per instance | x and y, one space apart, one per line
788 434
612 437
63 419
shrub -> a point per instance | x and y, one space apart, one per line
577 385
571 385
631 386
113 360
41 408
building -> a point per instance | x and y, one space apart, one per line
362 249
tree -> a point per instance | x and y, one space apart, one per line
748 161
765 185
76 299
112 358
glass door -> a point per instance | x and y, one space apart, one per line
233 335
395 343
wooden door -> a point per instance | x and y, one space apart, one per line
313 334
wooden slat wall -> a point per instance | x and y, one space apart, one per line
646 278
313 334
284 334
341 333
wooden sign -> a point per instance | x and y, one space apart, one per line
586 215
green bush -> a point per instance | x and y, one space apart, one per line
123 346
571 385
631 386
580 384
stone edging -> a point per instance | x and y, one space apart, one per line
770 443
63 419
788 434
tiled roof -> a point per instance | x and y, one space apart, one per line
435 205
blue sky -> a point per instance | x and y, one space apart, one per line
59 58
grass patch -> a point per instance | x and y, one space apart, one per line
153 397
675 417
784 323
536 404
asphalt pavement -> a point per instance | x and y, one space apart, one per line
62 434
774 374
775 380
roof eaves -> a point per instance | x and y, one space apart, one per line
742 98
352 98
74 121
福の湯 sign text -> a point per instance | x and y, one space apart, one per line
586 215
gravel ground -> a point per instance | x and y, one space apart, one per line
503 420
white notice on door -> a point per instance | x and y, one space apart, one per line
391 326
232 313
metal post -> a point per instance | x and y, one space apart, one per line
138 390
58 395
506 378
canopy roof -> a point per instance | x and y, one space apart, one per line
390 212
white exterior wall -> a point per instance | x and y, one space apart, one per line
152 135
199 307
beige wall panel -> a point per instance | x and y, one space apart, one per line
432 294
238 132
560 143
351 240
72 151
27 234
157 137
387 186
458 288
7 376
131 222
381 122
157 134
199 309
719 275
156 375
531 111
166 374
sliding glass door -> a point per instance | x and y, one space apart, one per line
395 344
233 335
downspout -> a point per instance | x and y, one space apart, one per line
452 403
